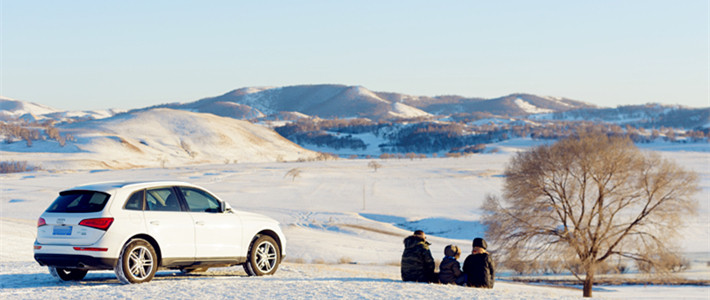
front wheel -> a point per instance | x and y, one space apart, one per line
62 274
264 256
137 262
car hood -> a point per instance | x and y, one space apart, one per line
244 215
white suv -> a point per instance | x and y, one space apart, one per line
134 228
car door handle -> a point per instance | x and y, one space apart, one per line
201 223
156 223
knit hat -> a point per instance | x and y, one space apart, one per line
479 242
452 250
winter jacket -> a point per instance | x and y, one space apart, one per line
449 270
417 262
480 270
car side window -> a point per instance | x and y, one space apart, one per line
135 201
199 200
162 199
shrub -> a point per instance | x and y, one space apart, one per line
15 167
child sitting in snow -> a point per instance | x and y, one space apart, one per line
479 267
450 269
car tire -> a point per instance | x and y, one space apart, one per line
264 256
137 262
63 274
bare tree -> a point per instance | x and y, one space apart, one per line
586 199
293 173
411 155
374 165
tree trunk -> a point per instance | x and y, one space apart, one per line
588 281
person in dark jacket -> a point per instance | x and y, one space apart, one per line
479 267
450 268
417 262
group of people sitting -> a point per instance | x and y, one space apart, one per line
418 264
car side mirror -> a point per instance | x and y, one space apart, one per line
224 207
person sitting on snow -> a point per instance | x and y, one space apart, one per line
450 268
417 262
479 266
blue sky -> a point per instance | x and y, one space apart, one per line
128 54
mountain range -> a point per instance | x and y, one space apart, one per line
341 101
329 101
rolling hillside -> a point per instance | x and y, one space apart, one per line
158 137
323 101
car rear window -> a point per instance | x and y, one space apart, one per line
79 202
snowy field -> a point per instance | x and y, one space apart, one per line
344 222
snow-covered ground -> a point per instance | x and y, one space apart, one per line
344 221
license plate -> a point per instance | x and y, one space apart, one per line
62 230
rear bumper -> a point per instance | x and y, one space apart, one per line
75 261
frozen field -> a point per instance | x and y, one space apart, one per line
344 221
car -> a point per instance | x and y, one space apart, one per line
135 228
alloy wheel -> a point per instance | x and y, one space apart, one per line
140 262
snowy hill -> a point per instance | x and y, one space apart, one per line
340 101
12 110
323 101
158 137
511 105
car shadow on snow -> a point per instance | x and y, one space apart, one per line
39 280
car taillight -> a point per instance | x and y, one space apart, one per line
98 223
90 249
41 222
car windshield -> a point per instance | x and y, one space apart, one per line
79 202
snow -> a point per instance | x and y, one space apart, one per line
558 100
529 108
362 91
344 221
402 110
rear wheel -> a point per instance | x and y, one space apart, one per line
137 262
67 274
264 256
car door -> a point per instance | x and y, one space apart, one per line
217 234
170 225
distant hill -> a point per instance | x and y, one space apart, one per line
158 137
323 101
11 110
340 101
511 105
646 116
